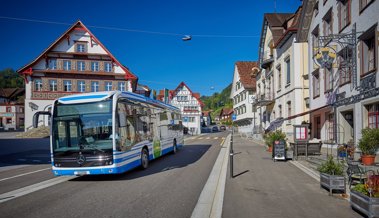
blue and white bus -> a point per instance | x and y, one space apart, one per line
110 132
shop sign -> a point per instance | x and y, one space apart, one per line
6 114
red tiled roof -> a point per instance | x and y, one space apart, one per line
275 21
245 70
290 26
195 95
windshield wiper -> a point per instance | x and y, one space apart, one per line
94 147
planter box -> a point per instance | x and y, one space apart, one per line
332 182
365 204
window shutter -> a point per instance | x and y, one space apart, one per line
339 13
360 56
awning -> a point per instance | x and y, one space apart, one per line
306 112
278 122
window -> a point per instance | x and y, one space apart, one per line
81 66
288 64
364 3
81 86
95 66
315 9
67 86
94 86
9 109
327 22
343 70
328 79
9 121
53 85
330 130
80 47
121 86
52 64
317 129
21 109
66 65
279 78
289 112
343 14
316 83
280 111
108 86
182 98
37 85
367 50
373 115
107 66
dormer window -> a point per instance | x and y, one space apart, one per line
80 47
52 64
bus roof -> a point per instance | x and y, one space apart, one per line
100 96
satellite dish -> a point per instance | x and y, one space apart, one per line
186 38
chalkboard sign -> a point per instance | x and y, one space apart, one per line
279 150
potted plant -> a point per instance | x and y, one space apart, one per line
331 175
365 197
271 137
368 145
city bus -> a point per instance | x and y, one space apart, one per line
110 132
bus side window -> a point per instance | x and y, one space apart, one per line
125 128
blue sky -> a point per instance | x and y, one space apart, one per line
159 60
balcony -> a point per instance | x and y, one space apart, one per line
267 59
264 99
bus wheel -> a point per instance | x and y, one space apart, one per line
144 159
175 148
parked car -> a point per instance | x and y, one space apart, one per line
205 130
222 128
215 129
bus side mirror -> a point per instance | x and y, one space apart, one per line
36 116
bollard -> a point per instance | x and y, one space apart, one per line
231 153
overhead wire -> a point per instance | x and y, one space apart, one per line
131 30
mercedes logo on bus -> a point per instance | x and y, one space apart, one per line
81 159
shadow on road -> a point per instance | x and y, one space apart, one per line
189 154
24 151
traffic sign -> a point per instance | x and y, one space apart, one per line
234 117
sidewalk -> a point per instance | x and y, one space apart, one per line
264 188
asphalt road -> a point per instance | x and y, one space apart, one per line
170 187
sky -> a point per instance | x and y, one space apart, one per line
146 35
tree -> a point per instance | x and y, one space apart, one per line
10 79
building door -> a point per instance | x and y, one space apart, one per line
317 129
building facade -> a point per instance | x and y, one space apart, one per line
343 94
189 104
76 62
242 93
282 84
12 109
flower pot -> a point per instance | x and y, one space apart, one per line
368 159
269 149
333 182
365 204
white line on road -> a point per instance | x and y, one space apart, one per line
24 174
32 188
200 138
208 137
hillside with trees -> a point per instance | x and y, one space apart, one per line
10 79
218 101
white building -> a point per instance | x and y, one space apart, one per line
282 85
76 62
190 106
242 93
343 100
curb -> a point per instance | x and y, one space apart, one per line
211 198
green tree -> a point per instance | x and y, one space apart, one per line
10 79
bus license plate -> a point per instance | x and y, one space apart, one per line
80 173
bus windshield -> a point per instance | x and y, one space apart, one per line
84 126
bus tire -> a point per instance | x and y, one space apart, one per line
144 158
175 147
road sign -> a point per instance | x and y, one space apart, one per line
234 117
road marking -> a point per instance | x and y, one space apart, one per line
200 138
24 174
216 138
211 198
32 188
208 137
222 142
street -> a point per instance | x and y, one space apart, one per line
170 187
